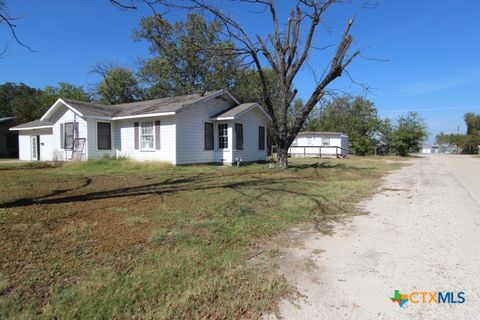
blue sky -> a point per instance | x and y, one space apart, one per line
430 46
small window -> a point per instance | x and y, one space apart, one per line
325 141
104 136
223 136
68 140
238 136
261 138
208 136
146 136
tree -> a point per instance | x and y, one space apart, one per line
21 101
27 104
469 142
472 121
68 91
284 51
8 20
183 61
408 135
357 117
118 85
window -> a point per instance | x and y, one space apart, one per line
68 140
325 141
238 136
104 136
223 136
146 136
261 138
208 136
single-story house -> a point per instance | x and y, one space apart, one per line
8 139
430 148
209 128
319 144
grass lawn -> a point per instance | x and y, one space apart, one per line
119 239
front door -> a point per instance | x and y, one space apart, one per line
35 147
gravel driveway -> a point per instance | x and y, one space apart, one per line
422 233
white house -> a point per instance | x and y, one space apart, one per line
320 144
209 128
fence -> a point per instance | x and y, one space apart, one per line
311 151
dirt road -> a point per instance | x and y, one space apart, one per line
422 233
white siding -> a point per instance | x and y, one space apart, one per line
24 146
124 138
46 144
251 120
66 115
313 141
92 145
190 134
46 147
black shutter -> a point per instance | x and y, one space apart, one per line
208 136
62 137
238 136
157 135
135 132
261 138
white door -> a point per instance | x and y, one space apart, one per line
34 147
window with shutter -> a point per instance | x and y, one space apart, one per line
223 136
68 139
147 136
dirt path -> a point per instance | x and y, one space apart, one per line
422 233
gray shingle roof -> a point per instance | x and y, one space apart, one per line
325 133
169 104
234 111
31 124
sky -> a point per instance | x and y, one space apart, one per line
415 55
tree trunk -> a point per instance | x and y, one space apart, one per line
282 157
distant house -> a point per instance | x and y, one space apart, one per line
209 128
320 144
8 139
430 148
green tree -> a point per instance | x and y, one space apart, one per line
284 50
408 134
118 85
21 101
183 61
68 91
356 117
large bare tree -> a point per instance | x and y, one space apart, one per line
285 50
9 21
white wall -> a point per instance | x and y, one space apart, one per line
24 146
251 120
190 134
124 138
315 141
62 115
46 144
92 143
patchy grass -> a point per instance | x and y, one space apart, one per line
134 220
121 239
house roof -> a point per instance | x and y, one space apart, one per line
163 105
320 133
235 111
35 124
